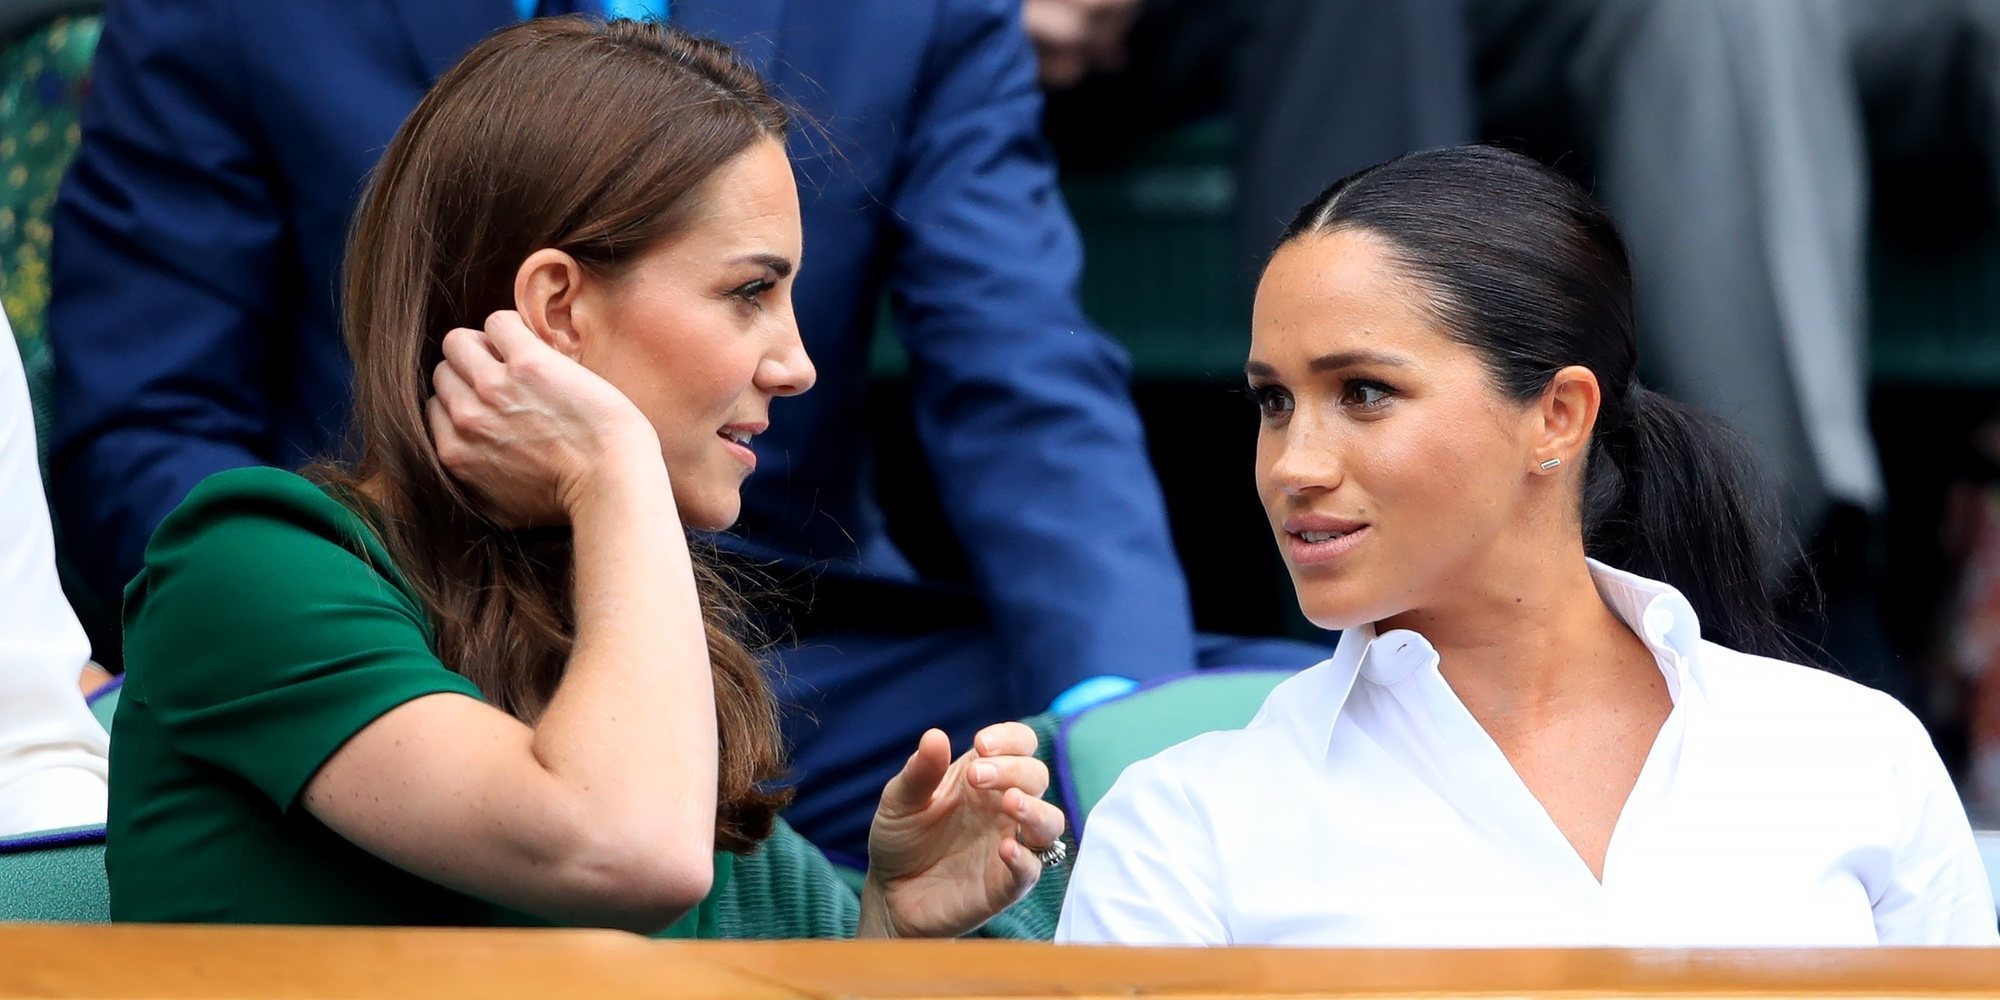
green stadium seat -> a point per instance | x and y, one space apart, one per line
104 701
55 876
1096 745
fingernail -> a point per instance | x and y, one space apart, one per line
984 773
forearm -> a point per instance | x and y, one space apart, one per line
632 726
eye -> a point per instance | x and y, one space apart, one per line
1366 394
752 291
1272 401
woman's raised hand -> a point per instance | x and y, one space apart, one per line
528 430
953 841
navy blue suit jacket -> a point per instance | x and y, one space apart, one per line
199 233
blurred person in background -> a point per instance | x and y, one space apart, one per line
1928 76
1314 88
194 329
52 751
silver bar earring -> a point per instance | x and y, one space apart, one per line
1551 463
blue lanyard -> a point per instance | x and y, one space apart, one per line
637 10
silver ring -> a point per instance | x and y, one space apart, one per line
1052 855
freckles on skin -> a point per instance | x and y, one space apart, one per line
1432 470
674 335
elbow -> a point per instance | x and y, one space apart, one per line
644 883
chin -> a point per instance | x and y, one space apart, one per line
714 512
1337 612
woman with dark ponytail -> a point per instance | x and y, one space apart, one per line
1560 712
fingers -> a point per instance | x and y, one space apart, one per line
1022 864
509 335
911 789
470 352
1002 773
1040 822
453 391
1004 739
451 446
1072 38
1059 30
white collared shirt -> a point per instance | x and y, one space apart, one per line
52 751
1365 806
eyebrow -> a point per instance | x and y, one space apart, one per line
781 265
1331 362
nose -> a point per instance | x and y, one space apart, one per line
1297 460
786 370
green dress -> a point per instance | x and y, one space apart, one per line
267 628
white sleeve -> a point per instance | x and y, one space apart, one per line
1937 892
1146 870
52 751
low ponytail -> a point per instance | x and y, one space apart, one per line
1523 268
1672 494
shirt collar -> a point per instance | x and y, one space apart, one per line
1656 612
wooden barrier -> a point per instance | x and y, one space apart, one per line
271 962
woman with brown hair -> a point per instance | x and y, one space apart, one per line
477 676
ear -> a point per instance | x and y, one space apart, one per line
546 291
1565 416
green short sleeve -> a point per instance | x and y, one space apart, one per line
268 626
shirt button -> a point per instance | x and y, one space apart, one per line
1659 622
1396 655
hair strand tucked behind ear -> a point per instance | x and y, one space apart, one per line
594 139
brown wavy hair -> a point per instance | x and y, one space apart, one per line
593 138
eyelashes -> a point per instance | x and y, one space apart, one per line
1272 401
752 292
1366 394
1360 395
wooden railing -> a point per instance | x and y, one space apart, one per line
270 962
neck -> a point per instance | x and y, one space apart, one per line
1530 637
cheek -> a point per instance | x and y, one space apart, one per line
1442 470
688 379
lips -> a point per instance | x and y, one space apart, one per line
1317 539
736 437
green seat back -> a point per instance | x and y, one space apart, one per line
55 876
1096 745
104 701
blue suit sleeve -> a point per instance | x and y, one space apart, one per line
164 275
1021 405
